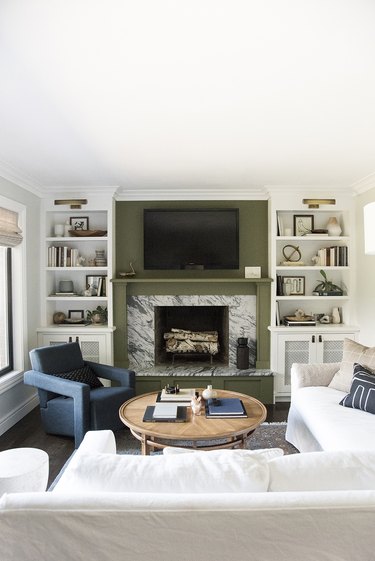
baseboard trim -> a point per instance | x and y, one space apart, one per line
17 414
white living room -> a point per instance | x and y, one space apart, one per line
187 250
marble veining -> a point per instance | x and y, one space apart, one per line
141 325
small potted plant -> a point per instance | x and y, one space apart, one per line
99 315
327 287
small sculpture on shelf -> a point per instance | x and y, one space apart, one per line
327 287
130 273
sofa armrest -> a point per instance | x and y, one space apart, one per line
123 376
102 441
318 374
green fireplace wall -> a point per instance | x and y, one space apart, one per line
253 237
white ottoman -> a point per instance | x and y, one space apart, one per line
23 469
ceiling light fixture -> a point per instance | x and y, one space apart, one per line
314 203
369 228
74 203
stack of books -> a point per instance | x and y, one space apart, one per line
184 395
165 413
225 408
296 321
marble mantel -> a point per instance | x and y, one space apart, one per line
124 287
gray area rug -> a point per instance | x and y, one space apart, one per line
268 435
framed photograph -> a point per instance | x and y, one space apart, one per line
303 224
293 286
96 282
79 222
76 315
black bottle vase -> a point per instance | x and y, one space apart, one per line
242 353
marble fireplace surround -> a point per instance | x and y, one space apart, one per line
127 287
141 323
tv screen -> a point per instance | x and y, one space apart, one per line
191 239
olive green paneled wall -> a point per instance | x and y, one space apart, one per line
253 235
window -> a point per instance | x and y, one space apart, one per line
6 327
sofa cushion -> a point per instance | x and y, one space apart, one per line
353 352
85 375
334 427
218 471
323 471
362 390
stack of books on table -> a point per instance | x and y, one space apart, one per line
184 395
225 408
165 412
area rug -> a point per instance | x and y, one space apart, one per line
268 435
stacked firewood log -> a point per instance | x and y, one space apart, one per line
185 341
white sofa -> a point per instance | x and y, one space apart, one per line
318 506
316 420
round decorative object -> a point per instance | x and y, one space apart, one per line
291 253
59 317
333 227
208 393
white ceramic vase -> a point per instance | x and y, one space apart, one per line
208 393
336 316
333 227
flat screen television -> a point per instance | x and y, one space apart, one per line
191 238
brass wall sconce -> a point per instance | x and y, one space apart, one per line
74 203
314 203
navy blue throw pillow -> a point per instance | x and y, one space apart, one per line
362 391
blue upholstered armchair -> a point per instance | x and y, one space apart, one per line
70 407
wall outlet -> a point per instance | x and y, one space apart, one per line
252 272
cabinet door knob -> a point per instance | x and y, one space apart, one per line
320 339
70 340
77 339
313 338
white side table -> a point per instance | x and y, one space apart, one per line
23 470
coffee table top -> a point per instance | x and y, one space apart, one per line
196 427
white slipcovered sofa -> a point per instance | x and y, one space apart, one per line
316 420
199 506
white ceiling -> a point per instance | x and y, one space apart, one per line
174 95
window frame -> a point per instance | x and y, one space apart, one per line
9 313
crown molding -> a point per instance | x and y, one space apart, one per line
10 173
191 194
364 184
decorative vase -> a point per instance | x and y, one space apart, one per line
208 393
333 227
336 316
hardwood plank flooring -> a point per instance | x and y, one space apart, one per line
28 432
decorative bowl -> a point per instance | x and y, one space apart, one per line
87 233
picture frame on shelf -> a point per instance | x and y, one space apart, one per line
76 315
79 222
96 282
293 286
303 224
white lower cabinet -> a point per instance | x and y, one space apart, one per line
306 347
96 342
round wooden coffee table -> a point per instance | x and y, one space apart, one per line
197 432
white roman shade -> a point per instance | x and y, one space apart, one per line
10 233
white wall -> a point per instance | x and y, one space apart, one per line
16 399
365 293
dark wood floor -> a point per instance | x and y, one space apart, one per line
29 433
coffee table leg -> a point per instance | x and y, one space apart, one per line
145 449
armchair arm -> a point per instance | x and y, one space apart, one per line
79 392
319 374
124 376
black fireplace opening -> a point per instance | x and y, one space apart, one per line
191 318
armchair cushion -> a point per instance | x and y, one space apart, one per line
85 375
353 353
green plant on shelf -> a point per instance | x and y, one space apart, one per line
327 287
99 315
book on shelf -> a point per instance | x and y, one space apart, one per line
294 321
185 395
226 407
181 415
